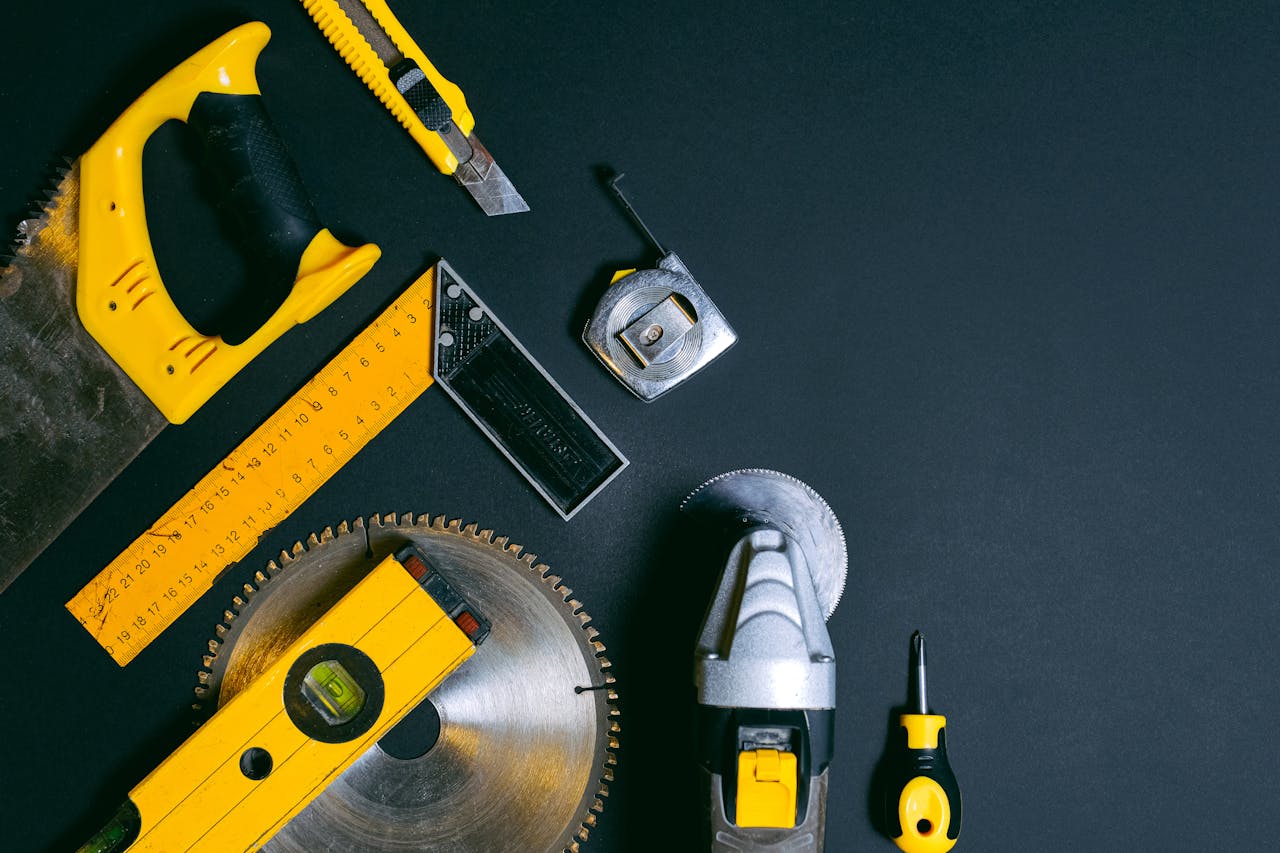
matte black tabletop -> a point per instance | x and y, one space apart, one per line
1004 276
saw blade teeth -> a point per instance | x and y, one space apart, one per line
209 680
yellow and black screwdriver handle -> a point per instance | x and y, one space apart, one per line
329 697
119 295
922 806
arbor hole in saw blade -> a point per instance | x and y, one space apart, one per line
415 735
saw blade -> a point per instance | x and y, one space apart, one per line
70 419
526 731
754 496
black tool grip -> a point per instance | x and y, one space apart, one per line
263 189
929 762
427 104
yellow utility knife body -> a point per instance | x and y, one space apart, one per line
381 52
335 692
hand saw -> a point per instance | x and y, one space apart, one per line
385 57
333 693
95 357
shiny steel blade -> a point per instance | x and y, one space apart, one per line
70 419
526 726
487 183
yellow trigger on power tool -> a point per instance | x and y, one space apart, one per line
333 694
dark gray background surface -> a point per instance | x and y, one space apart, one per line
1005 280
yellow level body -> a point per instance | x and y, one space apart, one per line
200 798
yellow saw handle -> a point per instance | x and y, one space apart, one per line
119 295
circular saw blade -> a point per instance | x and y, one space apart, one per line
753 496
528 726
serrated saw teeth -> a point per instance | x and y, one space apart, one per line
554 642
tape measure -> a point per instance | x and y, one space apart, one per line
340 410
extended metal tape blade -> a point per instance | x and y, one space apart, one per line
70 419
758 496
526 729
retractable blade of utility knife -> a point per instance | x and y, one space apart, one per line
385 57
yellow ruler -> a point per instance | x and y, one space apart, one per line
263 480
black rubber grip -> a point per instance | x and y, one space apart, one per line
426 102
911 763
263 190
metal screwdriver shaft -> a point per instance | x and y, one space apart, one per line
918 694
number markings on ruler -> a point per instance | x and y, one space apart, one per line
273 471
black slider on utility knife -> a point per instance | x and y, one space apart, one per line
655 328
515 402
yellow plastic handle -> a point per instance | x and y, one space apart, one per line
371 70
119 295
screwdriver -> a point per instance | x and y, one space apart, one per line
922 802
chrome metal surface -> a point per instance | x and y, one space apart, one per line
484 178
751 497
764 642
528 725
636 295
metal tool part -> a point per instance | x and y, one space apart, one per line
513 753
95 357
378 48
529 417
655 328
764 665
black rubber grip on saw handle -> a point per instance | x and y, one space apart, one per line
261 182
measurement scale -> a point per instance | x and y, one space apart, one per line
262 481
345 683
